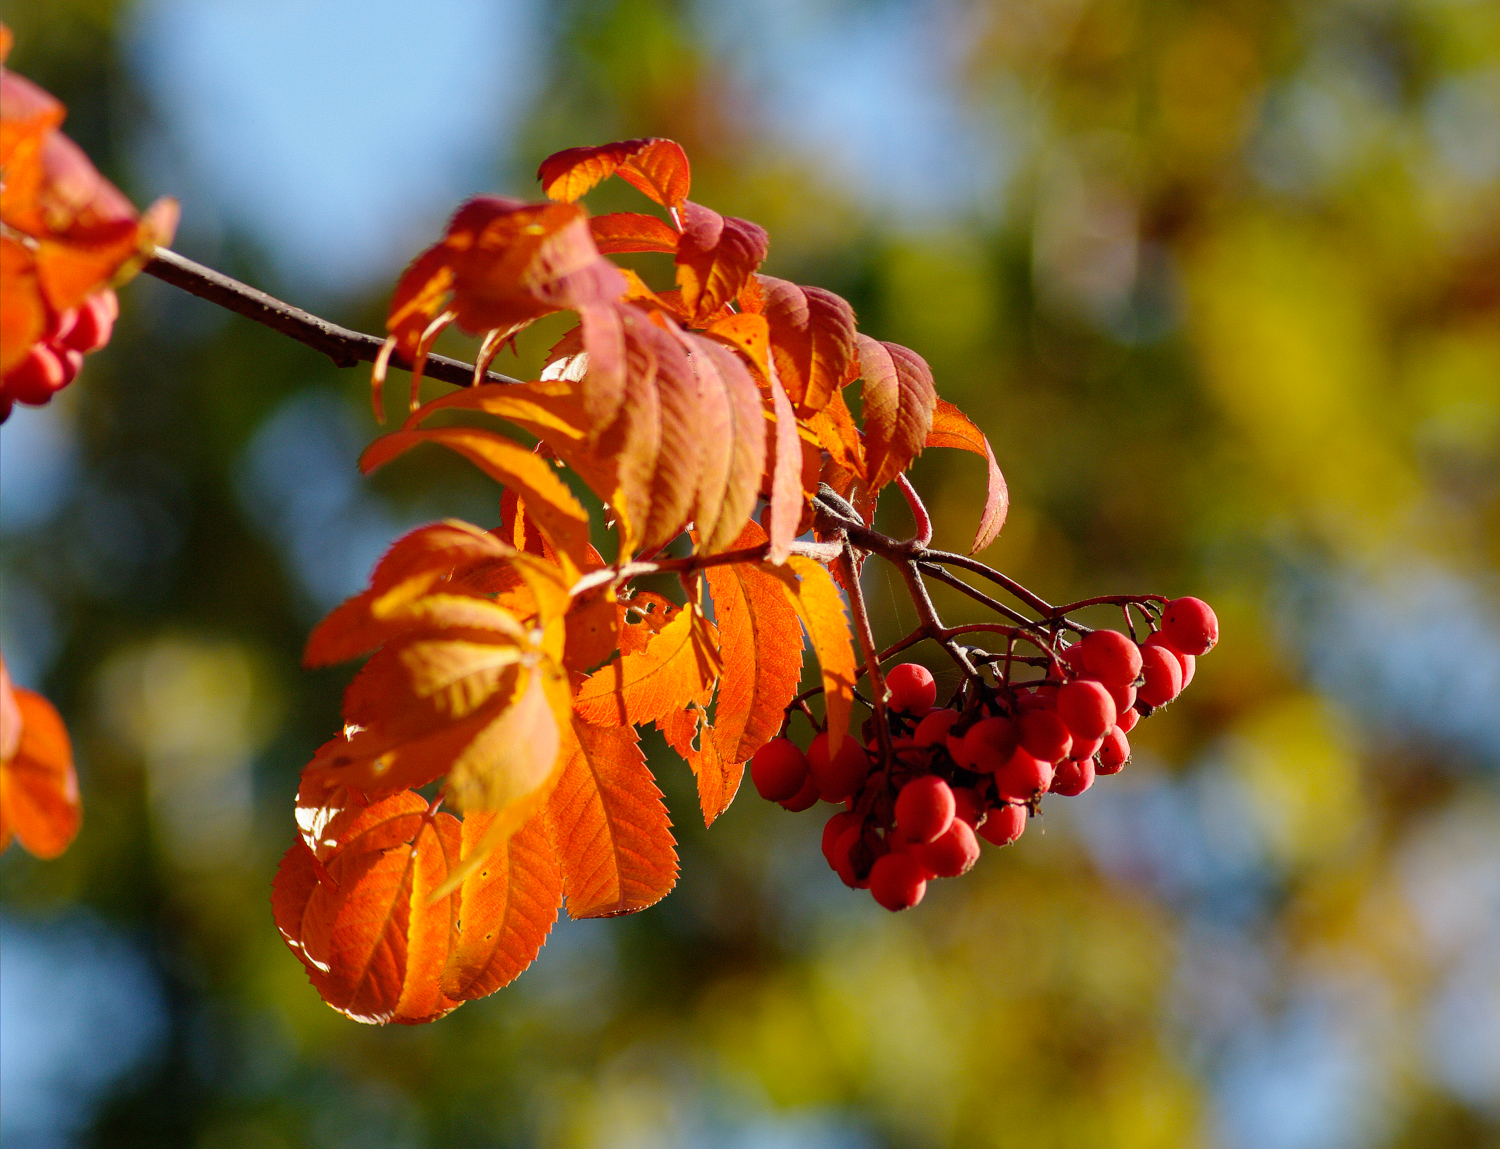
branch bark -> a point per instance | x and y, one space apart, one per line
347 348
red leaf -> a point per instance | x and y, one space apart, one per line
898 403
951 428
680 664
812 340
624 231
610 828
657 167
761 644
715 257
39 802
507 908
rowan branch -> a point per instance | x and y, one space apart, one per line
347 348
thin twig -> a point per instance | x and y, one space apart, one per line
345 347
867 645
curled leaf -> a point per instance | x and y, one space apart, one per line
655 166
951 428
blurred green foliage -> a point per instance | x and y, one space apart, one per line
1232 322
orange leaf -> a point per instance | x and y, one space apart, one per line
838 435
784 447
680 458
898 403
718 778
715 257
812 340
951 428
512 763
657 167
558 513
680 664
609 827
593 631
504 263
818 604
507 908
623 231
731 422
750 334
551 410
761 645
373 940
39 801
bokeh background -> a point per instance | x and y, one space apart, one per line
1222 284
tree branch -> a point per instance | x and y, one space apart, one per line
345 347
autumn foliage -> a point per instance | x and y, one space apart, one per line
489 769
66 235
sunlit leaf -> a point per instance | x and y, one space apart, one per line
761 644
557 511
625 231
507 907
812 592
951 428
812 340
680 664
898 405
609 827
689 733
39 802
715 257
657 167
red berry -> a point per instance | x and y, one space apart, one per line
1124 697
1110 657
1114 753
778 770
968 805
840 859
896 881
1087 749
1163 676
925 809
837 826
1125 720
1042 698
989 742
912 688
1022 776
34 379
1044 735
1087 708
805 798
1073 777
1004 825
1188 663
94 323
1188 625
933 730
837 779
952 854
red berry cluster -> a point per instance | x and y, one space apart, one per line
978 768
54 360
